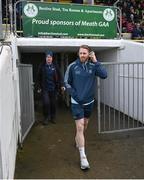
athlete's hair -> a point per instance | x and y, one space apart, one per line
85 47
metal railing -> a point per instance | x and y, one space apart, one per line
26 99
121 97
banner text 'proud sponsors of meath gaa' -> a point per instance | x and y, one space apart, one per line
54 19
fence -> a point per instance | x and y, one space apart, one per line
121 97
26 98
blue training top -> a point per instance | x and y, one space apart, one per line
80 80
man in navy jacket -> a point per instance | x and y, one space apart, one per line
80 82
49 80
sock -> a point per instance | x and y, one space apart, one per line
82 152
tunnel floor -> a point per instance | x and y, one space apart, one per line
49 153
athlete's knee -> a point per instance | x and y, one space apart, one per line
80 127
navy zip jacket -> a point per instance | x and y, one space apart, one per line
49 77
80 80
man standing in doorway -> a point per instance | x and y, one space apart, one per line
49 81
80 83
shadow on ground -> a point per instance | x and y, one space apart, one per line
49 152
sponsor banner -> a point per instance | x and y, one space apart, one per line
73 20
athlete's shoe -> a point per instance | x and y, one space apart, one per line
84 164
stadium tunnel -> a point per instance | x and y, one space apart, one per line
63 56
65 51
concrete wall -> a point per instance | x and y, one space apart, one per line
9 122
110 55
124 88
131 51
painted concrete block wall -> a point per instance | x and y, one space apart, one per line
131 51
124 88
8 119
134 79
110 55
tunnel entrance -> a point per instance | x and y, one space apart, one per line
62 59
31 100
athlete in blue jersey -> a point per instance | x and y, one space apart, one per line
80 82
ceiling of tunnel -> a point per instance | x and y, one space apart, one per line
35 49
38 45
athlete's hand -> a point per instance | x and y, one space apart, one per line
63 89
93 56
